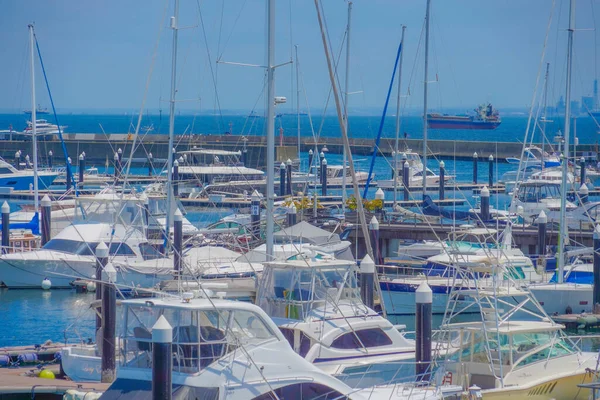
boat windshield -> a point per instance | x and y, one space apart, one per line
200 337
86 248
535 193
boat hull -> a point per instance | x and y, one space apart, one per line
399 298
556 298
435 123
22 182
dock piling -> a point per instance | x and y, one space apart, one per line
50 159
116 160
367 279
150 166
46 219
310 160
582 171
475 163
491 171
176 178
162 360
584 193
109 316
324 176
424 299
147 216
288 188
5 227
255 214
69 174
282 175
406 180
292 215
81 168
18 159
177 242
101 261
374 230
321 171
485 204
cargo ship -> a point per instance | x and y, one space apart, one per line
486 117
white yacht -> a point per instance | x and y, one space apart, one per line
44 130
10 177
540 192
316 304
227 349
70 255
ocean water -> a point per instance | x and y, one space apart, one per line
512 129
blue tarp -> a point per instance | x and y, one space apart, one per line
34 225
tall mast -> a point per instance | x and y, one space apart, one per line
33 123
169 188
395 160
346 87
270 125
565 161
425 97
298 98
545 112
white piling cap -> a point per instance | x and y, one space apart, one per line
374 224
46 202
255 195
520 210
393 153
27 157
180 160
178 216
485 192
324 161
379 194
310 151
367 266
403 156
149 155
282 165
406 164
110 273
542 218
289 162
423 294
475 155
597 232
116 157
292 209
50 153
442 164
81 157
582 159
491 158
162 331
5 208
584 189
176 163
17 153
69 160
322 155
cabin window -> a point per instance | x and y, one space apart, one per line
71 246
560 348
304 340
149 252
363 338
5 171
303 391
120 249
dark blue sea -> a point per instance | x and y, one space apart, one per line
512 129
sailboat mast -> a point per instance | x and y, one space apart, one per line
270 126
169 188
565 160
545 112
395 160
33 123
298 99
346 87
425 97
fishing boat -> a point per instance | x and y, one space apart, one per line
485 117
535 156
415 172
10 177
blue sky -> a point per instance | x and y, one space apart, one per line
98 54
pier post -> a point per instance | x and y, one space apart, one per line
475 163
69 174
116 161
81 168
442 180
162 359
324 176
255 214
542 222
150 166
292 215
109 317
424 300
27 162
321 172
50 154
380 195
176 178
120 155
491 171
310 159
177 242
374 229
5 227
101 261
584 193
393 164
18 159
282 175
582 171
596 266
367 279
485 204
288 190
406 180
46 219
